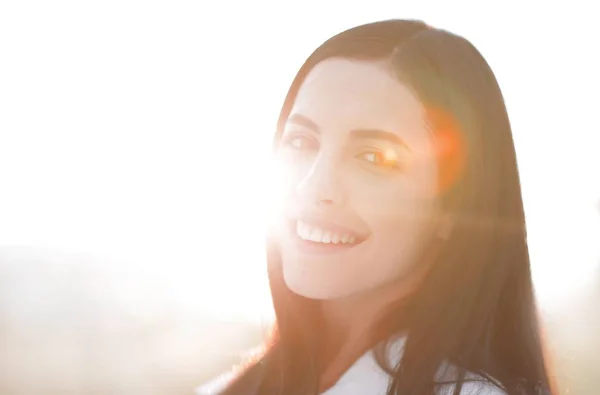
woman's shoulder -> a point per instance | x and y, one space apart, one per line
218 384
472 387
448 372
215 385
473 384
477 388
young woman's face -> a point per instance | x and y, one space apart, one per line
360 185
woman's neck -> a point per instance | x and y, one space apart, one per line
352 317
349 331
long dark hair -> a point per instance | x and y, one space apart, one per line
476 307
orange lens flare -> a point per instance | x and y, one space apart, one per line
450 149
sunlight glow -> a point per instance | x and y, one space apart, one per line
127 143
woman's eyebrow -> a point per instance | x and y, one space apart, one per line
303 120
378 134
362 133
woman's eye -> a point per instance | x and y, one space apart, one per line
387 159
299 142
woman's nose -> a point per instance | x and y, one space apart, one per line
323 184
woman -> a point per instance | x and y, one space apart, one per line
399 264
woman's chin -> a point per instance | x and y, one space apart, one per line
321 286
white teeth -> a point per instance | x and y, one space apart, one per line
318 235
335 238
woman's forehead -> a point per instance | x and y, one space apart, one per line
357 93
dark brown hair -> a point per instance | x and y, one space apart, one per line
476 307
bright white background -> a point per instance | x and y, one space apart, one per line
137 133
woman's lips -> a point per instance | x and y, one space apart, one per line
326 235
311 237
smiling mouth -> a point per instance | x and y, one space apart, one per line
317 234
324 236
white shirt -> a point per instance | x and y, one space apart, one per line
365 377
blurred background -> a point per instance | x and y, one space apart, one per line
134 167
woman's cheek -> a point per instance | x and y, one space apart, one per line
292 173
